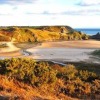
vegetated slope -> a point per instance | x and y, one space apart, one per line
26 79
96 53
60 29
39 34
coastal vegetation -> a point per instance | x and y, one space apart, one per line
27 79
96 53
40 34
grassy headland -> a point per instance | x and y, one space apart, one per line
39 34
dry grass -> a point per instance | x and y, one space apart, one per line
45 35
15 90
19 82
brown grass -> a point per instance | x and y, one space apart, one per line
15 90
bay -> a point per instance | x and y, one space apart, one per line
92 31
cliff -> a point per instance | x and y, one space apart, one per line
96 36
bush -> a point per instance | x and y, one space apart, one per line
67 80
87 76
28 70
96 53
68 72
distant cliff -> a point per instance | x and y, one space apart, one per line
39 34
96 36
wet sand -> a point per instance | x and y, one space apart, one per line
56 51
66 51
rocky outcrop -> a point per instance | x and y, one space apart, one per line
97 36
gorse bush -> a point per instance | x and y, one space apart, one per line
28 70
67 73
87 76
67 80
77 82
44 73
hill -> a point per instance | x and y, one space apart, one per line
60 29
39 34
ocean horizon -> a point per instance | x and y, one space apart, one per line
88 31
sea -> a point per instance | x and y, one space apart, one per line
89 31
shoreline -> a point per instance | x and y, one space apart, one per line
87 44
71 51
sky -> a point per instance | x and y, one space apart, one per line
74 13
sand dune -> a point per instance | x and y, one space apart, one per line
10 47
11 50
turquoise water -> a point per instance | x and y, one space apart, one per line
89 31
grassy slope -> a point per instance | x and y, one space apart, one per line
31 34
13 89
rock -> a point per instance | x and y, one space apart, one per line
97 36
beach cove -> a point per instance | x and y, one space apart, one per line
62 51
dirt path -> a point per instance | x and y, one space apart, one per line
10 47
10 51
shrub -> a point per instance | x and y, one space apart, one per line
67 80
87 76
68 72
96 53
28 70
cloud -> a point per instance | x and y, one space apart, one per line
6 9
4 14
50 9
40 12
83 12
14 2
37 20
89 2
66 11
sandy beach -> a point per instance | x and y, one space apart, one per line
10 51
74 51
89 44
66 51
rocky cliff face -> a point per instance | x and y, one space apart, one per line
97 36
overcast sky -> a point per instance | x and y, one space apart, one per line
75 13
